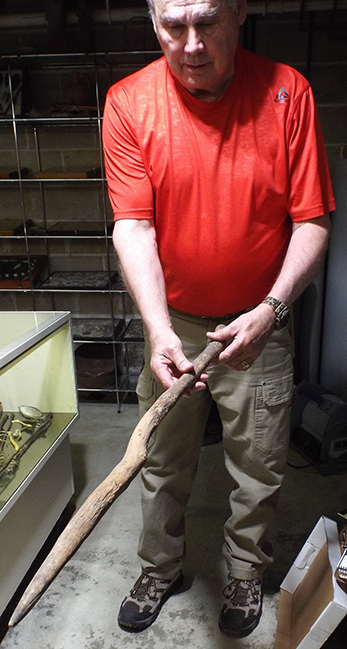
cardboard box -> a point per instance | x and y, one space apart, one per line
312 603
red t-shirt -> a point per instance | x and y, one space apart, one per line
220 179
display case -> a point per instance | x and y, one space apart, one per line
38 405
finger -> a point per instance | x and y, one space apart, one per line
183 364
164 376
221 333
198 386
238 363
231 355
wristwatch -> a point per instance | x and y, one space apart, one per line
281 311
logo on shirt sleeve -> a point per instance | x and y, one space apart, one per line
282 96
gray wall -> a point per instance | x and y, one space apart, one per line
333 373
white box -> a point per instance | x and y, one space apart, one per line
312 603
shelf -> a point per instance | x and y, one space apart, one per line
50 127
127 384
97 329
65 290
54 237
68 120
27 181
16 229
46 61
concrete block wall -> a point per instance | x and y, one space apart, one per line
321 56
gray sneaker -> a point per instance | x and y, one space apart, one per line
242 608
146 598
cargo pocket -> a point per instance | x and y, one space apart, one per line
146 389
272 414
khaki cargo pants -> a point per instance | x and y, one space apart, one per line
254 407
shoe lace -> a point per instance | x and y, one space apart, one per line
241 595
240 591
145 587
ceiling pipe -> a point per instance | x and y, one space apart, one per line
30 20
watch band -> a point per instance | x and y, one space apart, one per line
281 311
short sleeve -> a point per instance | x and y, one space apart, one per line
129 187
309 189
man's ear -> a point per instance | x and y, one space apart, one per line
154 25
242 11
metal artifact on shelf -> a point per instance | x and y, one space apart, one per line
18 431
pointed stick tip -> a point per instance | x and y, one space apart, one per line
21 610
15 618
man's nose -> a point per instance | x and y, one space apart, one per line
193 42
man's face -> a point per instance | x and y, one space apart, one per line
199 40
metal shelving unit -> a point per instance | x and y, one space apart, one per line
27 194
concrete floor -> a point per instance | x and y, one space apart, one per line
79 609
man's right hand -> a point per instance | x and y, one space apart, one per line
135 243
136 246
168 362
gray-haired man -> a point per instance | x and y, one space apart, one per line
220 190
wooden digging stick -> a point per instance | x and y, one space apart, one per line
88 515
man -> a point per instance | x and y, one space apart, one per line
220 190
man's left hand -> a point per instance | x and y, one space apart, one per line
247 336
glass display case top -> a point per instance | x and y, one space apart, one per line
20 329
